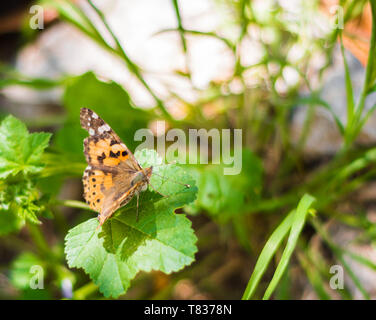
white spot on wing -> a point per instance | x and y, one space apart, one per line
103 128
95 116
91 131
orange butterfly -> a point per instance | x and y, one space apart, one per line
113 175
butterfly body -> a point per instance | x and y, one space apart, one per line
113 175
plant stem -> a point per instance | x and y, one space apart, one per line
369 76
73 204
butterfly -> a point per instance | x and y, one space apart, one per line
113 175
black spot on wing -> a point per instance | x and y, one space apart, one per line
101 157
114 155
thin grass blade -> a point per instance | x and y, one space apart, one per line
298 222
267 254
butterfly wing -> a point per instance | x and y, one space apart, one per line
103 146
111 167
107 190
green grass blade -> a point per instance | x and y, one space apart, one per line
180 25
299 219
352 275
371 57
267 254
364 261
349 90
313 276
365 119
370 75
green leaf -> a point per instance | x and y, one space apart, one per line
109 100
160 240
20 156
19 150
21 199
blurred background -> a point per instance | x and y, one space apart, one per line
273 68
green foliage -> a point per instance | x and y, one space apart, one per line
160 240
20 159
19 150
22 199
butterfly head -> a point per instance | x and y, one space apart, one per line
143 176
147 173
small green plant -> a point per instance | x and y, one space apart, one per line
20 161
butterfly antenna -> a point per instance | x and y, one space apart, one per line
182 184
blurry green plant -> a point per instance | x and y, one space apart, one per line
20 160
275 178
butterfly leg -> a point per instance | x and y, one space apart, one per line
137 207
163 195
